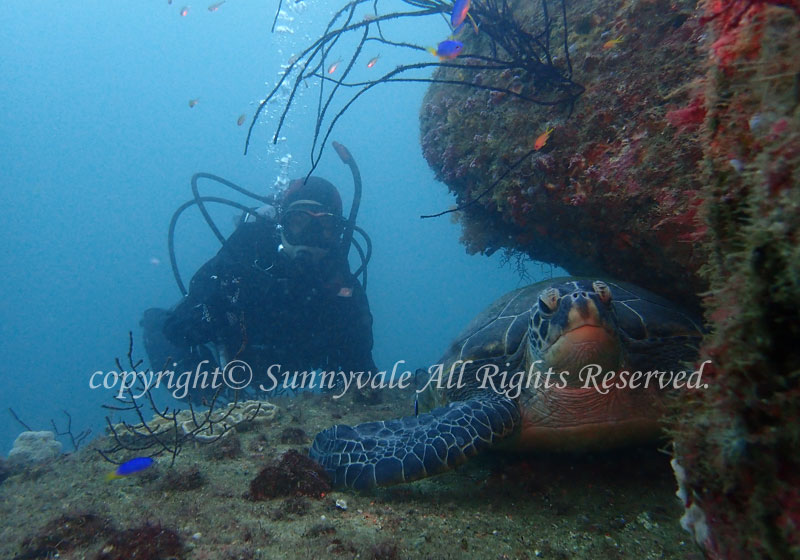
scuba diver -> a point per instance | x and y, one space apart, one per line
279 293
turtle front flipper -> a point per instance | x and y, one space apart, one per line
396 451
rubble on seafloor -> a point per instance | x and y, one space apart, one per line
618 504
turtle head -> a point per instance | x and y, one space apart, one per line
574 324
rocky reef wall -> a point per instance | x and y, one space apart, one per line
738 443
615 190
678 169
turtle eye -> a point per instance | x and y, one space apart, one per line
548 300
602 290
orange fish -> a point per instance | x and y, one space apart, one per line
542 139
184 11
193 102
215 7
372 62
240 120
332 68
612 43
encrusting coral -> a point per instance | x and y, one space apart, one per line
679 170
614 190
736 442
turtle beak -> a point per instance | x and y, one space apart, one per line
582 346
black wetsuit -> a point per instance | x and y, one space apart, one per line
264 308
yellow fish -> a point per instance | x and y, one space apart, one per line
612 43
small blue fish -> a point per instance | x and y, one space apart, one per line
131 467
460 10
459 17
447 50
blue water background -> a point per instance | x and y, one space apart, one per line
99 144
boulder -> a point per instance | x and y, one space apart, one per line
615 189
34 447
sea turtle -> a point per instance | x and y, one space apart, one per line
574 327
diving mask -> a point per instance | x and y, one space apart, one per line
312 229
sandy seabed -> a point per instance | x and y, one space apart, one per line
618 504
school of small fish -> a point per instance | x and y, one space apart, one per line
450 48
212 8
193 102
445 50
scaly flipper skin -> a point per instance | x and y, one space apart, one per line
407 449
